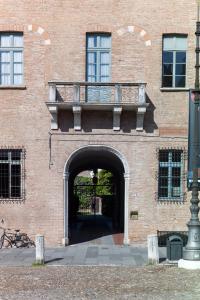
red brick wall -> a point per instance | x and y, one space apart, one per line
54 49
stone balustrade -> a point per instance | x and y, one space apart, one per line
115 96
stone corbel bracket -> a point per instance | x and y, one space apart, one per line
54 117
116 118
140 118
77 117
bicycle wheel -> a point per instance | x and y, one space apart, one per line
31 243
7 243
19 244
1 241
27 241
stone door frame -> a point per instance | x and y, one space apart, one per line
66 174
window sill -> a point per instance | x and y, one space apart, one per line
12 200
171 200
12 87
165 89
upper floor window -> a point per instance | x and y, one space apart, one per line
174 61
98 57
11 58
98 66
170 183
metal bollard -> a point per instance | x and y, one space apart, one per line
153 253
39 243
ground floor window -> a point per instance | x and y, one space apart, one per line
11 174
170 177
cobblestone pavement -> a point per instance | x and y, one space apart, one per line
98 282
81 254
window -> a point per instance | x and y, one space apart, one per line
11 58
174 61
170 175
11 171
98 61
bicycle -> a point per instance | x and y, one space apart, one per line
17 239
22 240
6 239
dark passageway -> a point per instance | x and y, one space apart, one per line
96 215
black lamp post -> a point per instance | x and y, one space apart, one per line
192 249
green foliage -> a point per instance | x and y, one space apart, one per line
105 183
79 180
86 190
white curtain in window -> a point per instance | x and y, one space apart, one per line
91 70
5 56
5 79
92 41
105 79
18 56
17 68
105 58
105 64
5 40
175 43
91 58
105 41
105 70
91 79
5 68
18 40
18 79
181 43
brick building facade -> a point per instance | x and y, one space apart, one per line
134 121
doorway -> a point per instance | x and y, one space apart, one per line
96 210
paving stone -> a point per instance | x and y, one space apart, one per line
78 255
92 252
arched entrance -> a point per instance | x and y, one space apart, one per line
97 157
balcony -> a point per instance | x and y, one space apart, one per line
80 96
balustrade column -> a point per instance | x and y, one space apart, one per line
76 93
52 93
142 99
118 93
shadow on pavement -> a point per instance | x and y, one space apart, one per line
53 259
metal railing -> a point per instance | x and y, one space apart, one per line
97 92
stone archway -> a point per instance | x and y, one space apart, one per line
104 156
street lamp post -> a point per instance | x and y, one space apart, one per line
191 254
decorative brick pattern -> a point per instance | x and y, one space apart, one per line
136 29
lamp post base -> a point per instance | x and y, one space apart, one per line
191 254
189 264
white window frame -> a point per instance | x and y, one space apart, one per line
174 37
11 50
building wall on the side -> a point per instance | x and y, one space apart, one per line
55 49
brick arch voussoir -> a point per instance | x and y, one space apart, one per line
40 31
99 28
172 30
12 27
134 29
34 28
